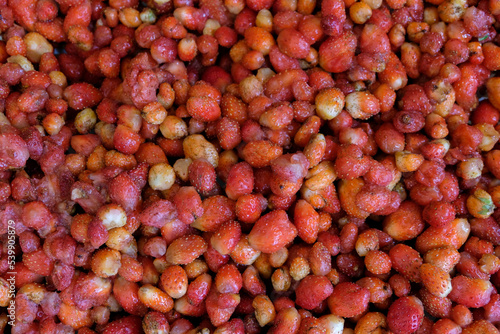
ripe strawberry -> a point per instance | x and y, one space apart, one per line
38 262
406 261
216 10
72 316
272 232
127 325
155 322
125 192
174 281
82 95
216 210
204 109
158 213
435 279
218 78
225 239
306 220
258 5
198 289
348 300
312 290
220 307
127 295
470 292
405 315
185 249
438 307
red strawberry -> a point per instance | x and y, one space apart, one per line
82 95
23 275
258 5
185 249
225 239
158 213
97 233
220 307
38 262
127 325
217 10
312 290
127 295
198 289
471 292
272 232
435 279
126 140
155 322
405 315
125 192
306 220
72 316
216 210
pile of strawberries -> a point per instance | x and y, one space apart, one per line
249 166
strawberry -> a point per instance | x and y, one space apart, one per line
405 315
125 192
185 249
435 279
158 213
306 219
198 289
220 307
127 295
90 291
439 307
174 281
126 140
348 300
258 5
216 10
228 279
155 298
240 180
234 326
406 261
126 325
218 78
183 306
155 322
313 290
97 233
38 262
225 239
471 292
82 95
204 109
189 205
260 153
72 316
252 282
216 210
480 326
23 275
36 215
272 232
